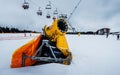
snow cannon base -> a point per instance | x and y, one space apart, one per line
39 51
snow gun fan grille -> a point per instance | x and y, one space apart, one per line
62 25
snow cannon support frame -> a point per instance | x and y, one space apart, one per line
50 47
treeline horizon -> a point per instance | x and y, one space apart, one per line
14 30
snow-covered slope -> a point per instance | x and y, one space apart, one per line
92 55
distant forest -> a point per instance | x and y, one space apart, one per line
13 30
16 30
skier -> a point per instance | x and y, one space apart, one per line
107 35
118 37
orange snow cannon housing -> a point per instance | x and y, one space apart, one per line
50 47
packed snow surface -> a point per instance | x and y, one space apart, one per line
92 55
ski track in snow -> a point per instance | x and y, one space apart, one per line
92 55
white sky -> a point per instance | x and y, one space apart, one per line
90 15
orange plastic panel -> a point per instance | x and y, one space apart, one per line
28 49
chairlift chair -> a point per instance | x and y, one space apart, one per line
63 16
39 12
48 6
55 12
25 5
48 16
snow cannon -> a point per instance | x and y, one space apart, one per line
50 47
56 33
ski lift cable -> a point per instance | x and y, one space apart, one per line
39 9
74 9
72 14
61 11
51 3
70 24
55 6
34 3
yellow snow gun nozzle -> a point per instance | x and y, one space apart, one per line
56 33
58 27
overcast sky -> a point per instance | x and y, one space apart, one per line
90 15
